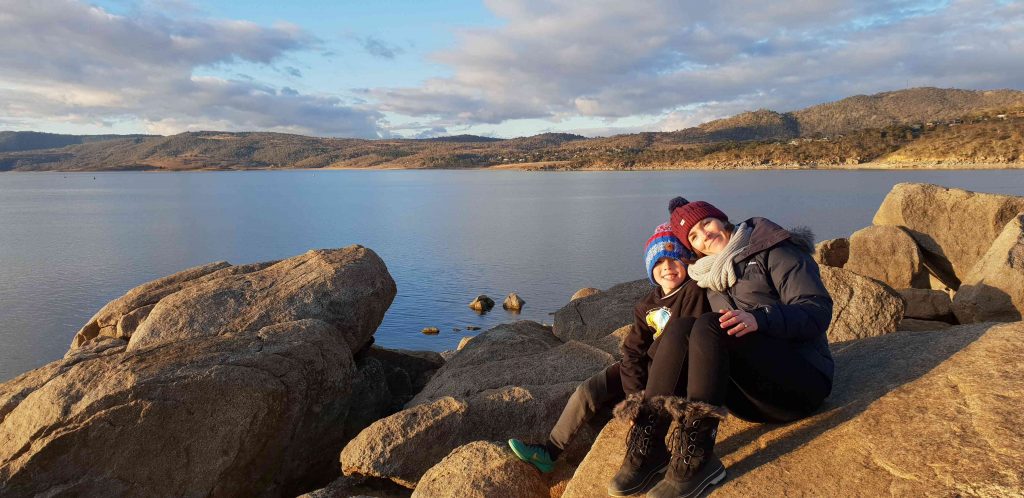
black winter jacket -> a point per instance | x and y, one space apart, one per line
778 282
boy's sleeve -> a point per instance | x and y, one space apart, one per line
634 352
695 300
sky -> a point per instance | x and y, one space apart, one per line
414 69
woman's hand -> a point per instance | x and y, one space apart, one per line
737 322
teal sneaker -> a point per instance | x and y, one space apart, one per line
532 453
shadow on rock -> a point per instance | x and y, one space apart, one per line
866 370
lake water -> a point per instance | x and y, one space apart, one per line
71 242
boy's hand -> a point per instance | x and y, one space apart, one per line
737 322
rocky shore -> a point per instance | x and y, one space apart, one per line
263 380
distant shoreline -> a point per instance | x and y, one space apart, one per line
554 166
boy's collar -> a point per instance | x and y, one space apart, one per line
670 294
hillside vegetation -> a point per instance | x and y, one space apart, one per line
11 141
927 126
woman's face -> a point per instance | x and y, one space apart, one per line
709 236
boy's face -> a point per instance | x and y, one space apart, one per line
669 273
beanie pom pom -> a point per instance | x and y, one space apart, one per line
677 202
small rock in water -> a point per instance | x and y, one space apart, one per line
513 302
472 327
456 329
482 303
431 331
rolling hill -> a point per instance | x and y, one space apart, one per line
927 125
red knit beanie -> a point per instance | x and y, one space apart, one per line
684 217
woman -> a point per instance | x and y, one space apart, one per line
764 354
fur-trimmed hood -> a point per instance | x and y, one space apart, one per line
766 234
803 237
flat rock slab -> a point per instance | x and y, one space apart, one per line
482 469
954 227
911 414
593 317
956 430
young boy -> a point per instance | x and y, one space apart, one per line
670 308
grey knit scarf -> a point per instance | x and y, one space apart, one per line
717 272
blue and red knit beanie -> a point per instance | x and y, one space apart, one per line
664 245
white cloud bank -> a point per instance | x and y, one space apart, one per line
670 63
63 60
690 61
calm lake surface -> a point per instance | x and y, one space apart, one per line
71 242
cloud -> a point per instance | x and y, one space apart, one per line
682 61
380 48
66 60
437 131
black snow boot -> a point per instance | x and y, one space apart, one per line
646 455
691 439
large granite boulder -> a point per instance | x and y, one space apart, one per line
230 414
832 252
927 304
403 446
503 342
485 363
255 405
953 227
482 469
136 304
994 288
593 317
911 414
510 381
321 284
861 307
888 254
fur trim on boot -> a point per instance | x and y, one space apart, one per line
628 409
680 409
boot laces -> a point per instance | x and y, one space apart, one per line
639 438
692 453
